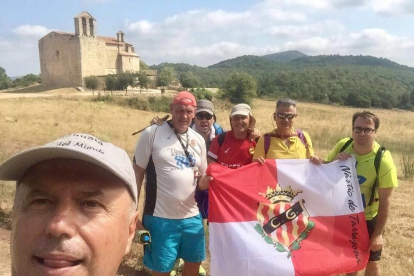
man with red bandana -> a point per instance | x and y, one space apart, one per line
172 157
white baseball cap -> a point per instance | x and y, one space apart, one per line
243 109
75 146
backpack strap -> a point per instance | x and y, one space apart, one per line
221 139
266 138
346 144
377 164
302 138
217 129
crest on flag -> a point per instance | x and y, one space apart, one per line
280 221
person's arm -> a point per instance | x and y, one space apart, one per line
334 154
210 160
254 134
259 154
204 182
139 175
382 216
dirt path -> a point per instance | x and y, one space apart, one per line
5 263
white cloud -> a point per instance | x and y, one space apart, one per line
31 30
204 55
393 7
142 26
281 15
299 31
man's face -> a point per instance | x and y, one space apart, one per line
182 115
360 132
285 124
70 217
239 123
203 122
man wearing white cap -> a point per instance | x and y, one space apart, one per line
74 209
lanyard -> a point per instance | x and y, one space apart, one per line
185 148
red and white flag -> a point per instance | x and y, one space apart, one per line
286 217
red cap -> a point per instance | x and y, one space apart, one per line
184 97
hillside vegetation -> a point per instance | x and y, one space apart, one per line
360 81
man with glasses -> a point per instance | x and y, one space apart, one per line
376 179
285 142
204 122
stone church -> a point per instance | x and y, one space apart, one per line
67 58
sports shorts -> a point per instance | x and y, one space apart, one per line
172 239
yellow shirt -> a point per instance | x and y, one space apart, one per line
279 150
366 173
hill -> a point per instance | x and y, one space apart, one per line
360 81
285 56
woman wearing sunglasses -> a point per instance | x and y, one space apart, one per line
285 142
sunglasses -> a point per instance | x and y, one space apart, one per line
365 130
202 116
290 116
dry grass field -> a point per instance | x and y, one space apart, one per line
27 122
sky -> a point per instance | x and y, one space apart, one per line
204 32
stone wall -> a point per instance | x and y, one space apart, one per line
93 56
60 60
111 59
129 63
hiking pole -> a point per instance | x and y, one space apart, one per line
165 118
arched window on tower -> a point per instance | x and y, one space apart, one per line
91 27
84 30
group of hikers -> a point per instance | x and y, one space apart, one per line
76 198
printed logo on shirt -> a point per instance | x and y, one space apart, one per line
226 150
361 178
183 162
169 137
181 158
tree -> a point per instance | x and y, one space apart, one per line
240 88
189 80
5 81
167 75
143 65
122 82
91 82
354 99
130 77
110 82
405 102
143 80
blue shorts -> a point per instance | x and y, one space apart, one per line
172 239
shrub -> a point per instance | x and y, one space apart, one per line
202 93
407 161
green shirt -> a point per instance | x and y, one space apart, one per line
367 174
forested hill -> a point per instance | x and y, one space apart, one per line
361 81
285 56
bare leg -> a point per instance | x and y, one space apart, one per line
191 269
373 269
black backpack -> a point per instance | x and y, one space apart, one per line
377 164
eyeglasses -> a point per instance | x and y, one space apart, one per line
290 116
366 130
202 115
